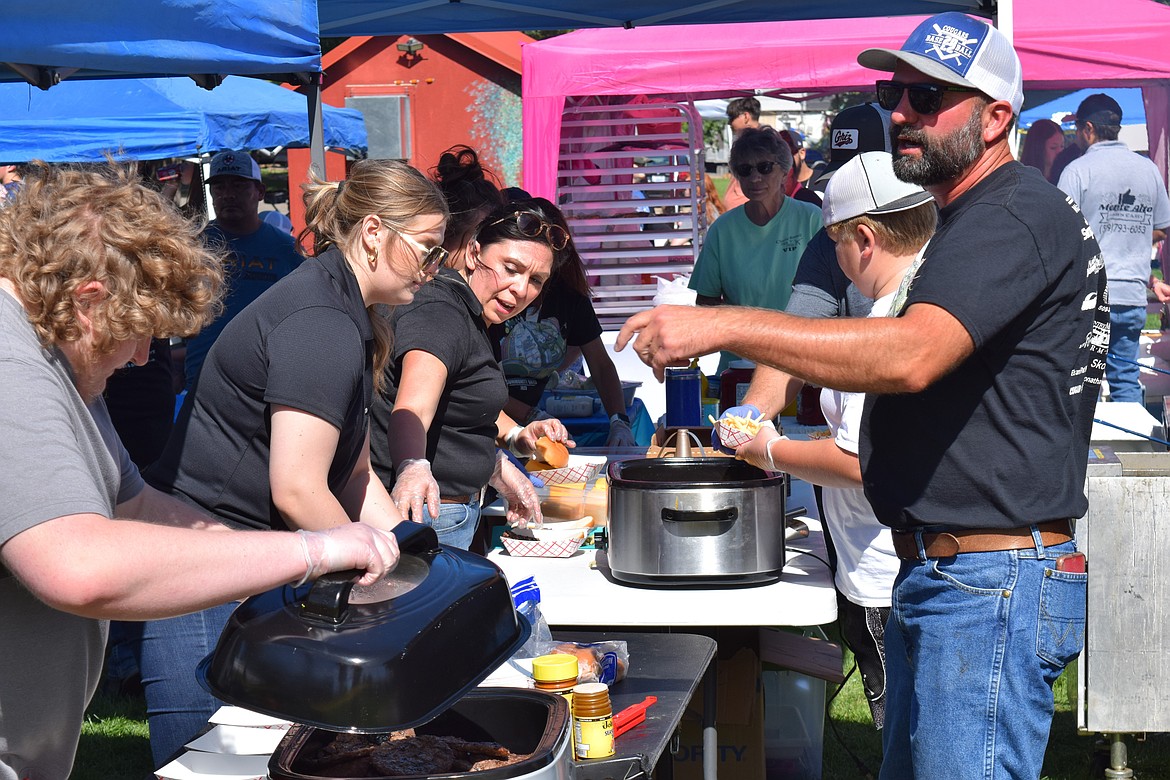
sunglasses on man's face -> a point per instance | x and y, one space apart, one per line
430 258
744 170
532 226
924 98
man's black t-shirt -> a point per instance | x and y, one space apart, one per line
1002 441
446 320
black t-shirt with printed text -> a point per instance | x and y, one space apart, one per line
1002 441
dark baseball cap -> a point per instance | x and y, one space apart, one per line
1099 109
857 129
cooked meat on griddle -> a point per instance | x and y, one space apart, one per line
403 753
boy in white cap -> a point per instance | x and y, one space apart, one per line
880 225
979 406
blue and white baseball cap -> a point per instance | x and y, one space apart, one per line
958 49
866 184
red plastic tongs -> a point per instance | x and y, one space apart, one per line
631 716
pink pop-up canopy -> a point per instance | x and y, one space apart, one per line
1062 44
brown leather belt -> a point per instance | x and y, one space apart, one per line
944 545
455 499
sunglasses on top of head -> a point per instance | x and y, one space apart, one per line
744 170
924 98
430 258
532 226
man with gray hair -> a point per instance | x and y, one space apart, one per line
1124 200
980 398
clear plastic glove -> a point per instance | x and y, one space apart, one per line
552 428
747 410
758 451
514 487
415 489
349 546
532 476
620 435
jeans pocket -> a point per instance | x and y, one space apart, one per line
1060 632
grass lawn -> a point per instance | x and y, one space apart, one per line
114 742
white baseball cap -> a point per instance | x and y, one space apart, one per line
867 185
233 163
958 49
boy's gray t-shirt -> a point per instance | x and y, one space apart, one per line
57 458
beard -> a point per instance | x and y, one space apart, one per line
940 159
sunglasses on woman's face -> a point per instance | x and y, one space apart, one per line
430 258
924 98
744 170
532 226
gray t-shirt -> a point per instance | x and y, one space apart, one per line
1123 198
57 458
820 288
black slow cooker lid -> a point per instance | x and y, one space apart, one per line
651 473
370 659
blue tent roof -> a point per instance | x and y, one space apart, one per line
1133 111
43 40
150 119
418 17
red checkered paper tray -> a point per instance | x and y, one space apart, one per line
542 548
581 468
544 542
733 438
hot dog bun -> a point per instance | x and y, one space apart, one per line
552 452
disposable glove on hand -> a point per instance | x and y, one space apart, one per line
620 435
758 451
415 488
349 546
552 428
514 487
532 476
747 410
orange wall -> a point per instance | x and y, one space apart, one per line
457 96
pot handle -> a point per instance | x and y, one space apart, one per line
415 538
725 515
328 599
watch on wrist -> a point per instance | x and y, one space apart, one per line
619 416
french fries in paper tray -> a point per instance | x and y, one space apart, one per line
736 431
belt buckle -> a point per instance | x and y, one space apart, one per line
944 546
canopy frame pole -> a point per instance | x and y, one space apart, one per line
316 127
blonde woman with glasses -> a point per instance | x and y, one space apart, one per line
275 433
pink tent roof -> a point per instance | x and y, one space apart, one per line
1062 44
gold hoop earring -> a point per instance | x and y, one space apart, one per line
372 258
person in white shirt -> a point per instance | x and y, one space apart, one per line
880 225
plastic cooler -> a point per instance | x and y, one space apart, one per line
794 725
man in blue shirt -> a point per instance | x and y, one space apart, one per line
259 253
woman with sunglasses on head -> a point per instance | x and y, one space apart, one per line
438 426
750 255
275 433
555 332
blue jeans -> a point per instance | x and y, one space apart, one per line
973 646
456 523
1125 328
177 707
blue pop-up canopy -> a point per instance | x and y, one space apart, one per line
155 118
44 41
1133 111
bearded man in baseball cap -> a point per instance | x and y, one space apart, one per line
979 406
